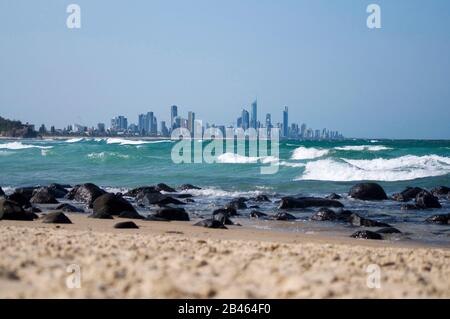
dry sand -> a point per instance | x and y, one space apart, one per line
177 260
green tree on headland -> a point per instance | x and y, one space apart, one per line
11 128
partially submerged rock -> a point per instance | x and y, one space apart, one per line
239 203
283 216
443 219
171 213
305 202
359 221
211 223
186 187
148 199
440 191
325 214
389 230
165 188
258 214
426 200
408 194
261 198
229 211
368 191
145 189
334 196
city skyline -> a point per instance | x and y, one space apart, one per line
147 125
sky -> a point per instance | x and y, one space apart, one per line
214 57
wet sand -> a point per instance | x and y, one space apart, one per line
177 260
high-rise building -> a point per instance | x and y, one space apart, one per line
245 119
254 116
285 122
239 122
141 124
191 120
303 131
101 127
149 122
268 121
164 130
119 123
173 115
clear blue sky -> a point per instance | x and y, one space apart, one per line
214 57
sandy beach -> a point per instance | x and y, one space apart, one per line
176 260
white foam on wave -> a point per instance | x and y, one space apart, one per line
105 155
232 158
303 153
20 146
217 192
396 169
370 148
121 141
291 164
75 140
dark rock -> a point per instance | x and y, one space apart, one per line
43 196
171 213
388 230
359 221
100 215
186 187
237 203
334 196
324 214
183 195
223 218
409 207
86 193
10 210
365 234
126 225
305 202
146 189
426 200
257 214
261 198
211 223
368 191
58 190
439 219
153 218
254 207
67 208
147 199
26 192
2 193
229 211
189 200
33 210
283 216
56 218
20 199
408 194
440 191
112 204
448 196
165 188
131 215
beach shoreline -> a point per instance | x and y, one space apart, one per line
176 260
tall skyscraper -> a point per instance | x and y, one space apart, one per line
191 120
150 119
164 130
173 115
254 117
245 119
141 124
268 121
285 122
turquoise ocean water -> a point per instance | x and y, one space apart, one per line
305 167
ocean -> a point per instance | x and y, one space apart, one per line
310 168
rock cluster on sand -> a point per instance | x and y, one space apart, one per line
423 200
112 204
408 194
367 234
10 210
43 196
126 225
305 202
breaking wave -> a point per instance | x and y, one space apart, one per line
396 169
232 158
107 155
20 146
303 153
75 140
370 148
